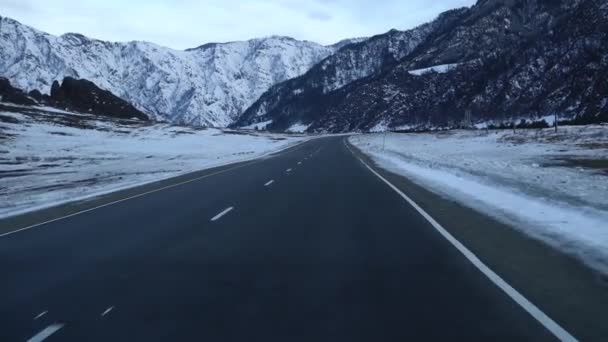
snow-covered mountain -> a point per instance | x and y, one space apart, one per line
208 85
290 101
499 60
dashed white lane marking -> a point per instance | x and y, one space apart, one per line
219 216
132 197
108 310
517 297
299 163
269 183
289 170
40 315
255 161
46 333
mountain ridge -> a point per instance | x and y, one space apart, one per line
501 60
207 86
349 64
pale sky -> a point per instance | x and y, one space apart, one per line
184 24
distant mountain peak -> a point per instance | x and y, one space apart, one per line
210 85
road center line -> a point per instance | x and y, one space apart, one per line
269 183
40 315
46 333
517 297
219 216
108 310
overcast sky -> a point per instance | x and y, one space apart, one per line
183 24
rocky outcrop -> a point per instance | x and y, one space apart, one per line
13 95
80 96
85 97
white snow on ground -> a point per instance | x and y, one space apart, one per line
548 119
298 128
440 69
48 159
552 186
41 108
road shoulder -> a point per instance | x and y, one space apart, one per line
34 218
575 296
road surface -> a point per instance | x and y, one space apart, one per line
308 245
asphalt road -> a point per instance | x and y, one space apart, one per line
311 246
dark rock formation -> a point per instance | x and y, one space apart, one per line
74 95
10 94
85 97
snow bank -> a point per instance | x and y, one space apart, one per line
52 158
551 186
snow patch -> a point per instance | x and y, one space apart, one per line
440 69
298 128
381 126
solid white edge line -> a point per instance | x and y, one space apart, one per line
45 333
219 216
108 310
269 183
40 315
257 160
528 306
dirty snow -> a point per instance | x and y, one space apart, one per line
552 186
51 158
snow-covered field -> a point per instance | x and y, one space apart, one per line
552 186
47 158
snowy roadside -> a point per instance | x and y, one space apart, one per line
50 158
552 186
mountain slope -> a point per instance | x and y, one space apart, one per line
555 61
499 60
208 85
358 60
